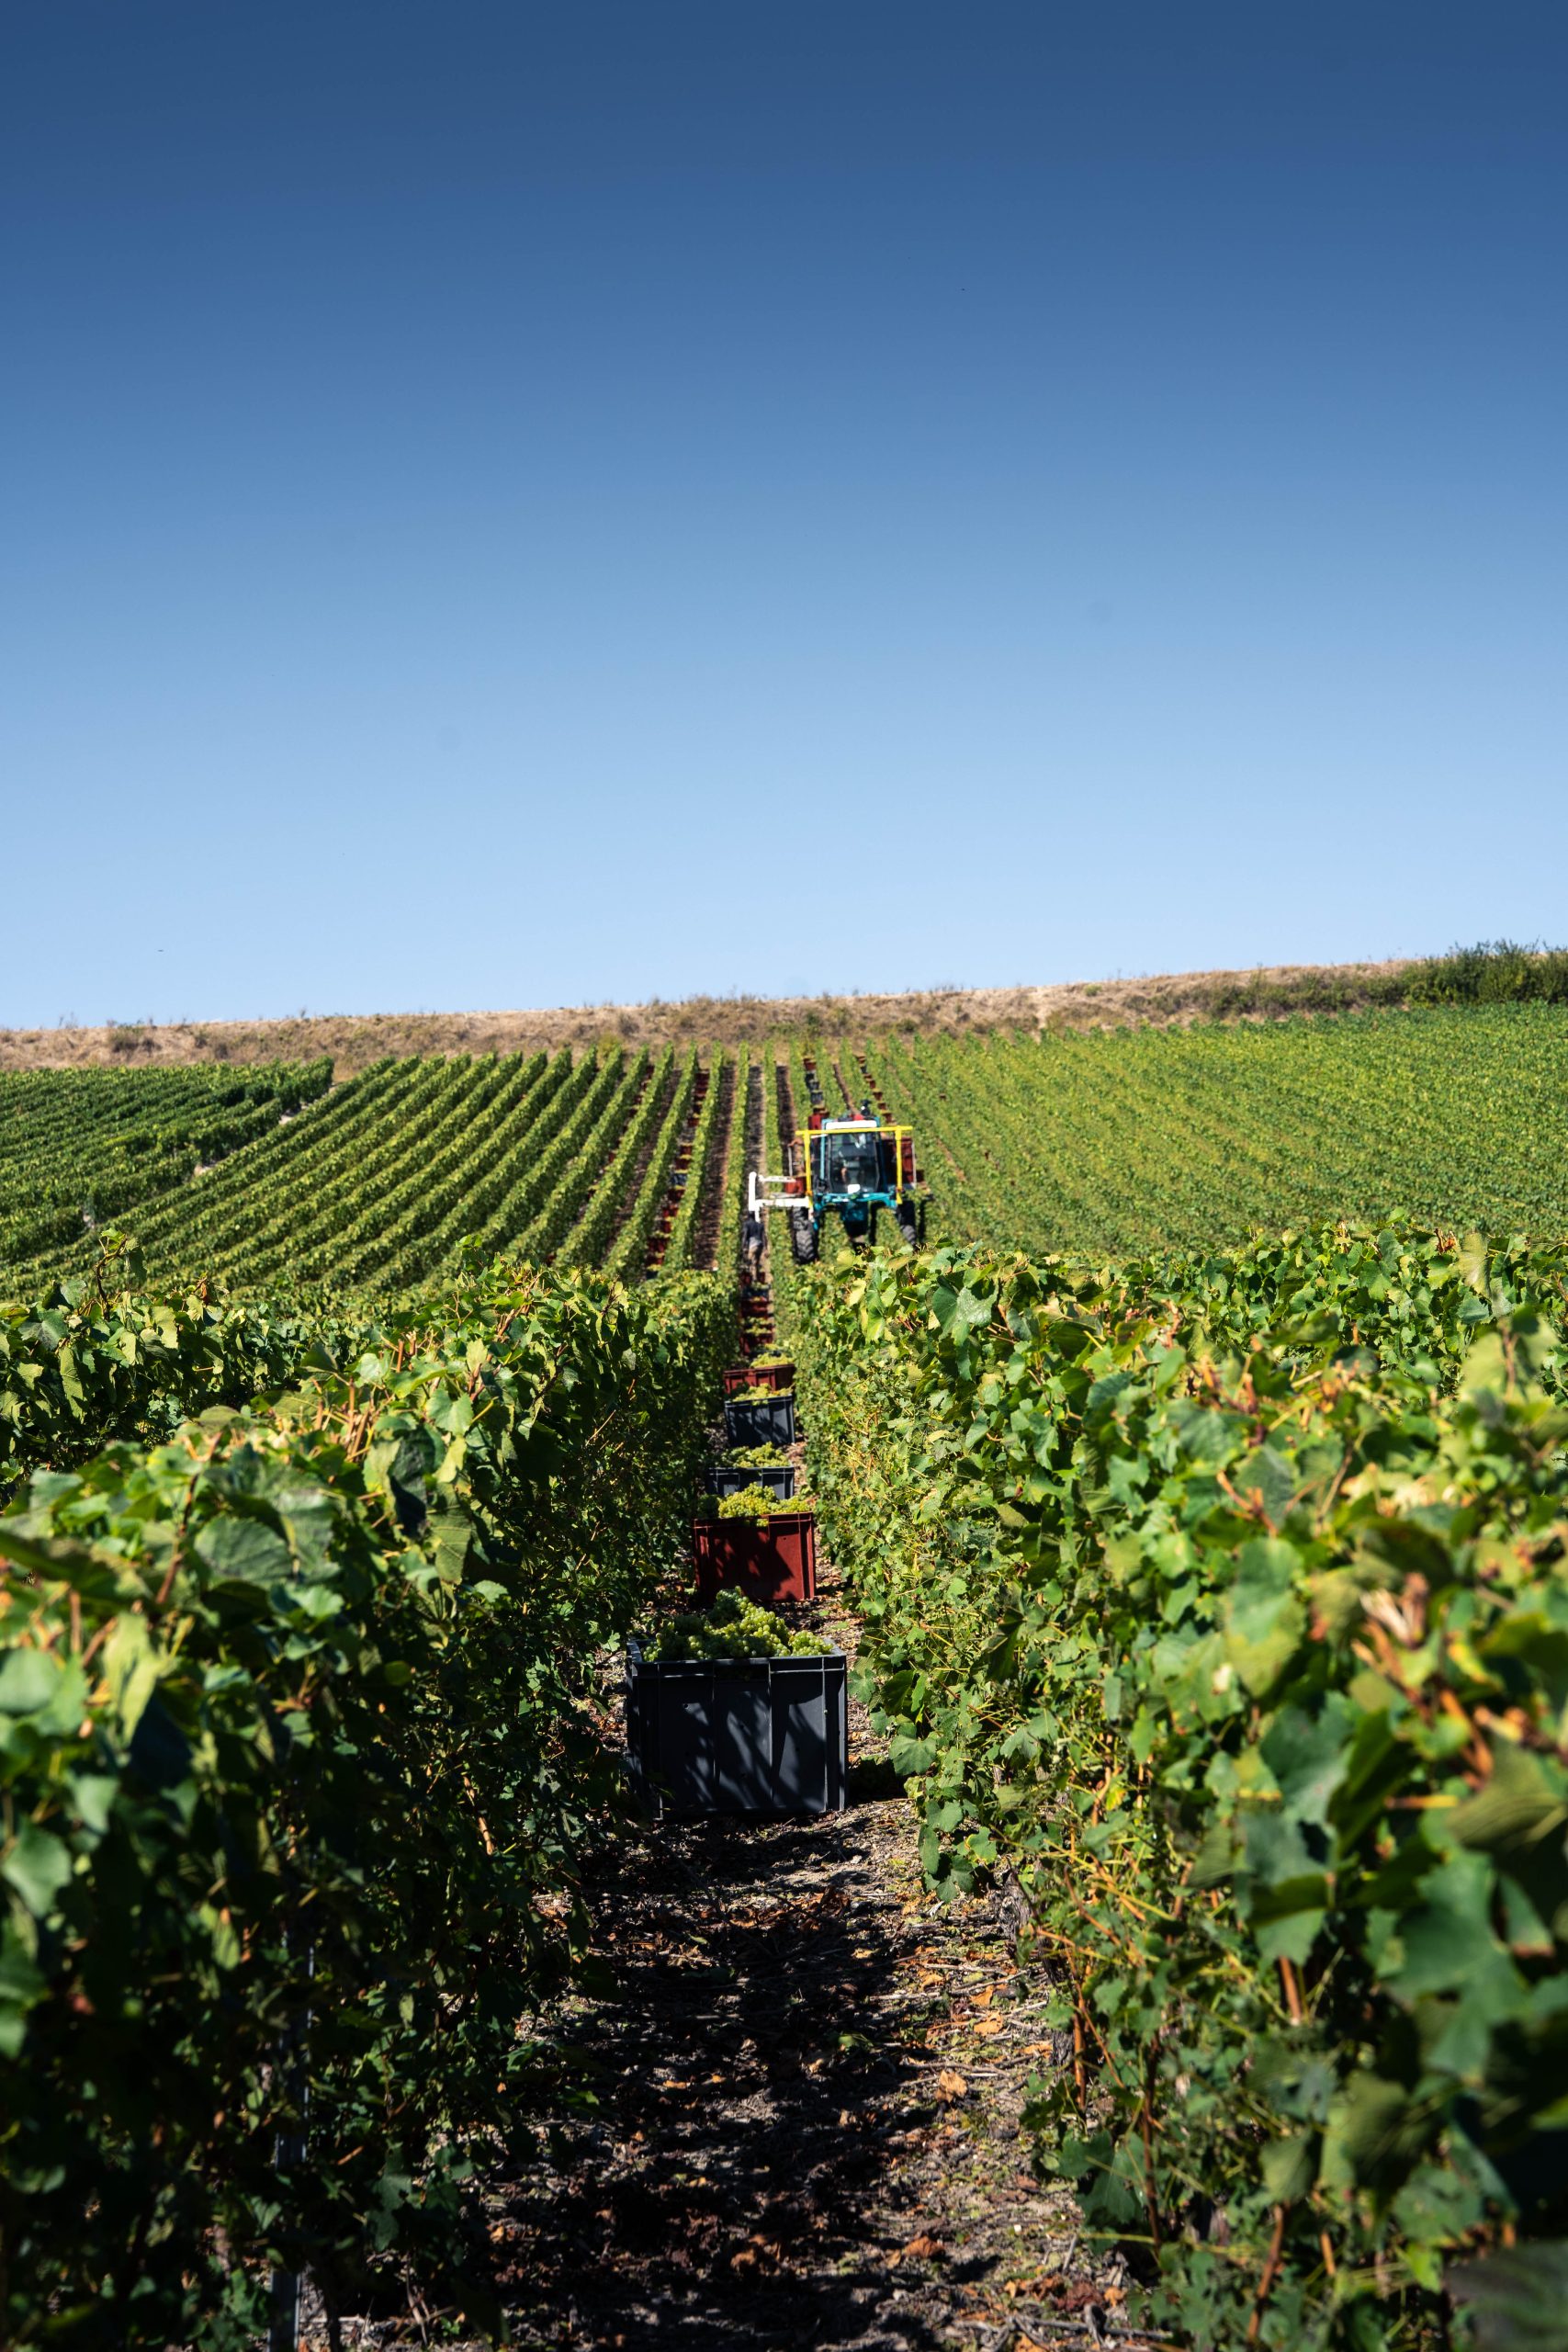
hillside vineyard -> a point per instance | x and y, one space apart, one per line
1126 1141
1191 1444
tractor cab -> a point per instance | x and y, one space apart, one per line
852 1157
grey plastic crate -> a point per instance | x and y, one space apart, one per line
763 1735
726 1478
762 1420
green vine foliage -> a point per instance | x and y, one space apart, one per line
102 1357
298 1761
1115 1142
80 1147
1225 1605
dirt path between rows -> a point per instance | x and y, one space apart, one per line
810 2083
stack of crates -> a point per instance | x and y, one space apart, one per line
764 1735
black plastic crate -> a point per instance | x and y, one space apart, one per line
760 1421
762 1735
723 1478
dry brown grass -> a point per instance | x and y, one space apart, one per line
354 1040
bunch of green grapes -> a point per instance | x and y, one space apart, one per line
733 1627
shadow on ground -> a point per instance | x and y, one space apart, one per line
749 2088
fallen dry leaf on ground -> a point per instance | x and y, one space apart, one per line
925 2248
949 2086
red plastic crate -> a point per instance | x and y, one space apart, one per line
769 1559
776 1376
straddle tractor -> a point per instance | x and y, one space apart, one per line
848 1168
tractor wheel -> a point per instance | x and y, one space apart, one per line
803 1233
909 1227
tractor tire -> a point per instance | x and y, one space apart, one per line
909 1227
803 1234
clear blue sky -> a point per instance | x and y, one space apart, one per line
514 504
